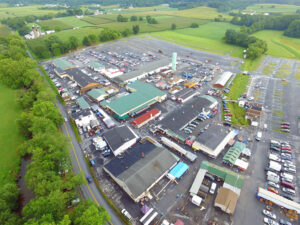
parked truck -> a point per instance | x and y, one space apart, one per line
275 165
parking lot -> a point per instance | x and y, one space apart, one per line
198 70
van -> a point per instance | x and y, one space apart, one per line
286 175
126 213
213 188
258 136
287 184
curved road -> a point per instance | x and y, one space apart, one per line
89 191
79 165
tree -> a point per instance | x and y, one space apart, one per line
108 34
57 28
86 41
125 32
87 213
294 29
141 18
173 26
135 29
133 18
92 38
73 41
121 18
194 25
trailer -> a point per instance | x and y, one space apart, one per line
189 155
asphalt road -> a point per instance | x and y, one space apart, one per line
89 191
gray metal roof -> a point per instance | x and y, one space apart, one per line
81 78
141 166
144 69
176 119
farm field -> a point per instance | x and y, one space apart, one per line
24 11
279 45
100 19
9 135
51 24
74 22
4 31
64 23
273 8
208 37
164 23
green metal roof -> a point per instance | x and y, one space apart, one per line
209 98
62 64
95 65
96 93
82 103
142 95
232 155
239 145
173 134
229 177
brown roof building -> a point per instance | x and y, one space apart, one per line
226 200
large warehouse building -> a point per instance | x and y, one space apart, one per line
142 166
141 97
149 68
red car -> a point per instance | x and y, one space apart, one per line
273 190
228 114
285 126
286 148
91 133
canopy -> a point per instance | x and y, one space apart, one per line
179 170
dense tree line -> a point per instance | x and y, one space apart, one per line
49 175
251 24
255 47
54 46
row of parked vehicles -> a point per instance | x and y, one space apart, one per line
281 169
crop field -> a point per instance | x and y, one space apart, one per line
74 22
24 11
164 23
273 8
9 135
279 45
51 24
208 37
100 19
4 31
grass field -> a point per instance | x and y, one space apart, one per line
65 23
24 11
279 45
9 135
65 34
164 23
268 69
51 24
273 8
100 19
4 31
207 37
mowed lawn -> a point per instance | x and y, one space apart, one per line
9 135
280 45
208 37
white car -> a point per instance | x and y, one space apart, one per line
270 222
269 214
272 184
126 213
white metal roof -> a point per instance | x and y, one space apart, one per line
241 164
197 182
224 78
279 200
